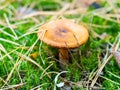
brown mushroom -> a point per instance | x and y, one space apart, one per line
63 34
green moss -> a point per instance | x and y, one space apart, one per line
90 62
49 5
81 65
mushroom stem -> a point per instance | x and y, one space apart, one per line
63 56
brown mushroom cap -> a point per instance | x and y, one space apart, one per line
63 33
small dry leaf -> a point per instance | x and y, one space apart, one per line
116 55
34 55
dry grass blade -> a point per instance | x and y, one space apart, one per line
32 30
115 51
36 27
110 80
28 33
4 50
116 54
30 60
41 45
113 74
26 47
4 32
46 13
113 15
2 80
106 59
9 25
18 61
15 66
60 12
5 25
105 17
5 3
97 26
38 87
24 10
52 72
13 86
46 70
21 22
31 47
102 13
8 41
113 4
8 53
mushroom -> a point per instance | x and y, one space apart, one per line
64 35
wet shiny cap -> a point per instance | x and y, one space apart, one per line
63 33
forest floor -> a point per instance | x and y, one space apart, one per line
26 63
